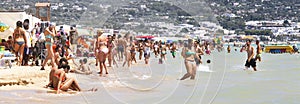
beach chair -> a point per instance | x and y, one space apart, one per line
6 58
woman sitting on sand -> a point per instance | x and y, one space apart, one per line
19 40
189 54
58 81
58 78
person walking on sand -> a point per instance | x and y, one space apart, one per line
258 51
121 44
19 40
110 47
250 54
49 34
101 45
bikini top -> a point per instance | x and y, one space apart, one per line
190 53
48 36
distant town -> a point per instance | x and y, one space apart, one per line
266 20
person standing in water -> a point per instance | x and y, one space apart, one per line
258 51
189 54
228 48
173 50
250 54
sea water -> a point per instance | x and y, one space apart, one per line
275 82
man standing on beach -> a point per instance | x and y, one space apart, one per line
250 53
28 42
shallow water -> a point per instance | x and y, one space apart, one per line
275 83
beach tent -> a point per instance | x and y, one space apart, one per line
11 17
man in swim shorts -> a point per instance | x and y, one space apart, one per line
250 53
258 51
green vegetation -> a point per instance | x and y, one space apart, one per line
258 32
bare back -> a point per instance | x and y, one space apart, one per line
19 35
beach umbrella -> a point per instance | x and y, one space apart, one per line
3 27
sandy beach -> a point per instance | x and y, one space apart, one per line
23 77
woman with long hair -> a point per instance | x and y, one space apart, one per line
49 34
19 40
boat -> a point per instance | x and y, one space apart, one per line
279 49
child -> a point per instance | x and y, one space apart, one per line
83 67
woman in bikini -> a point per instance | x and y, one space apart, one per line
173 50
147 51
59 81
19 40
163 51
199 51
132 53
49 34
110 47
114 51
120 43
189 54
127 53
102 51
141 50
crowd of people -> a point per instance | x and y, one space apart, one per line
108 51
